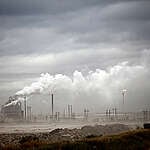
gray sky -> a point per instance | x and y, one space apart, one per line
61 36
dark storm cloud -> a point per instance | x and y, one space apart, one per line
25 7
119 22
90 24
17 7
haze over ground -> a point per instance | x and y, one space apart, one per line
74 38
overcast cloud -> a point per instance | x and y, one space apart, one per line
61 36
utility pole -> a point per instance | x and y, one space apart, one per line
123 96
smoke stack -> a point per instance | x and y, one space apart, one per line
71 111
25 108
52 106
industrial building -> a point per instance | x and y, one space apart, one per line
12 109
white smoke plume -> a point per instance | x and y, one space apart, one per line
14 101
100 80
100 86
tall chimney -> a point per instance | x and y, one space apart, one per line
52 106
69 111
25 108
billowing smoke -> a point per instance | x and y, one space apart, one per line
97 87
13 101
99 81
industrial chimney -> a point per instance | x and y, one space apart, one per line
52 106
25 108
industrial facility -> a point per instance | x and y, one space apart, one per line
12 109
17 108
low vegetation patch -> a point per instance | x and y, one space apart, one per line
131 140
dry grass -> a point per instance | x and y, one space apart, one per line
131 140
